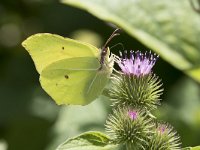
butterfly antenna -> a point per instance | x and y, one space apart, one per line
120 44
104 48
111 37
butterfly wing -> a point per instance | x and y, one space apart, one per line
75 81
70 71
46 48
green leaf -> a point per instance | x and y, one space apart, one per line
169 28
88 141
83 121
192 148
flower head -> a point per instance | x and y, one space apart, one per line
162 128
164 137
138 63
133 114
129 126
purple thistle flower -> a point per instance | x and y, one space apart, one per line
138 63
133 114
162 128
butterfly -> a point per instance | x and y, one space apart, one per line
71 72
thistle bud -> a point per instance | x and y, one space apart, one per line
128 126
164 138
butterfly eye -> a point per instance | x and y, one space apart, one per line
104 51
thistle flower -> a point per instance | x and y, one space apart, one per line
137 86
164 138
129 126
137 64
133 114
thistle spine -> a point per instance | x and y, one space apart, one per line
142 91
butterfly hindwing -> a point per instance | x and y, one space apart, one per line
74 81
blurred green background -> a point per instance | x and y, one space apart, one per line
30 120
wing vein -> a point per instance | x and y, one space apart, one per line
92 83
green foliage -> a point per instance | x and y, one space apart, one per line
129 90
88 141
169 28
74 120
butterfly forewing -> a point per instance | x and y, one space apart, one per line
47 48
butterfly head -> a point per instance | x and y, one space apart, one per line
106 60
